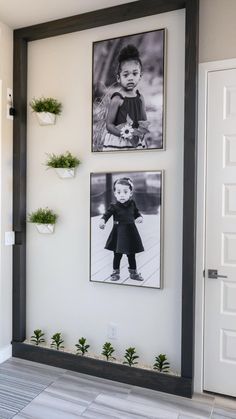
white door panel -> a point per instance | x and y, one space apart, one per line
220 293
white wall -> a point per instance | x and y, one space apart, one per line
217 30
6 49
59 294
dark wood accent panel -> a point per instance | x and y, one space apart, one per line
122 373
189 182
19 188
19 133
97 18
19 293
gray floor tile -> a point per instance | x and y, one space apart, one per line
185 407
114 407
70 395
5 415
20 382
47 406
223 413
224 407
30 390
94 385
117 384
97 412
40 373
188 416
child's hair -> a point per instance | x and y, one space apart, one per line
124 181
128 53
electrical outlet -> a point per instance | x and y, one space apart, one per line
112 331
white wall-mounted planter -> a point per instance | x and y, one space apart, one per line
46 118
65 173
45 228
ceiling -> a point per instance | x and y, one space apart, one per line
20 13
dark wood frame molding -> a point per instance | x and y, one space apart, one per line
171 384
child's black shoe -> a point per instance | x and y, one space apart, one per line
115 276
133 274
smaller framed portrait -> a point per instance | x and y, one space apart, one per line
128 92
126 228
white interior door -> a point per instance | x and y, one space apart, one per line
220 292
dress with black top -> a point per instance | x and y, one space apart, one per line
124 237
131 107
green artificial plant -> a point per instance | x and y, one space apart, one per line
108 350
65 161
130 356
46 104
82 346
42 216
161 364
57 341
37 337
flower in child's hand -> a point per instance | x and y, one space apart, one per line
102 224
139 220
127 132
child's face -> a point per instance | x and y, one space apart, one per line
130 74
122 193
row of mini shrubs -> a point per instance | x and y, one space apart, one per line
161 363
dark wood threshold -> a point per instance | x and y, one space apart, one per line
129 375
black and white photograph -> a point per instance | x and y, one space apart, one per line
125 228
128 92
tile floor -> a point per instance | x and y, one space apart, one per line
34 391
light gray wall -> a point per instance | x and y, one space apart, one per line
61 297
217 30
6 49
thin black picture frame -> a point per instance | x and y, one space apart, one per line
182 385
164 31
161 214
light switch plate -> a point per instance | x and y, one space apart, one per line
9 102
9 238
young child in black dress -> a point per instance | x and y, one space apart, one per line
126 121
124 237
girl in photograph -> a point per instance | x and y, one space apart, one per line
124 237
126 121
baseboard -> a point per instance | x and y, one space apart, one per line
134 376
5 353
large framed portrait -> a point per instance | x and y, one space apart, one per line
128 92
126 228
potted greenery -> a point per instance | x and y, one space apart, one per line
108 350
82 346
37 337
130 357
46 109
57 341
161 363
45 220
64 164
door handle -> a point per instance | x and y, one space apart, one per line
213 273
